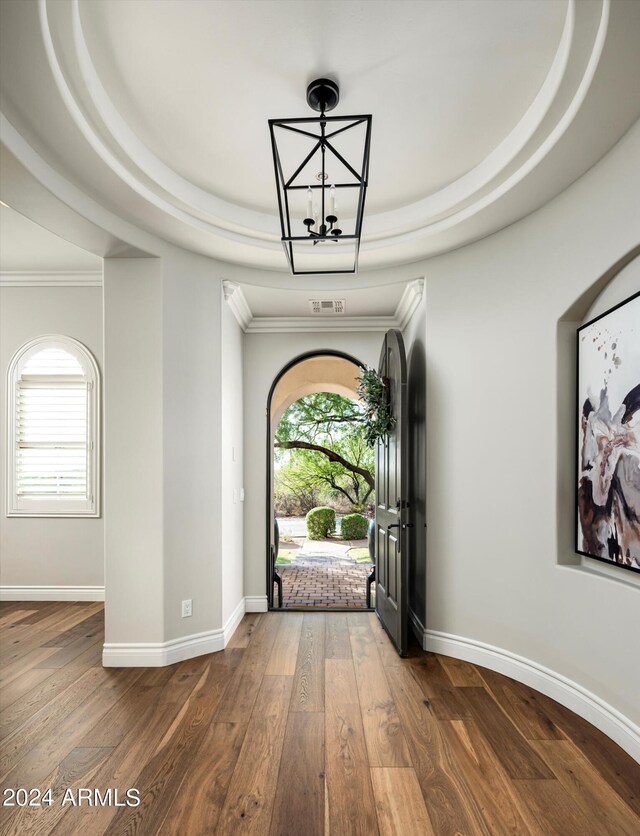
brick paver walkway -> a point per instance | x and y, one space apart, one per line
325 586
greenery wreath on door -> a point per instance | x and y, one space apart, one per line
374 393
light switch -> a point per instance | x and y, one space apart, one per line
241 494
235 495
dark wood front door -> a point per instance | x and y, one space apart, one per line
391 499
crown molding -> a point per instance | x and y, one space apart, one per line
239 306
299 324
48 278
235 298
250 324
408 303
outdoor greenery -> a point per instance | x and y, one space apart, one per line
322 457
321 522
378 419
360 555
284 558
354 527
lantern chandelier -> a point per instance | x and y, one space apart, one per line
322 167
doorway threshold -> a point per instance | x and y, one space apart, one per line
322 609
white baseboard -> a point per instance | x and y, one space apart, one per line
159 654
568 693
256 603
51 593
234 619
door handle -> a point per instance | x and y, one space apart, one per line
397 525
393 525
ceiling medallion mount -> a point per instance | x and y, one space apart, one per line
323 95
315 160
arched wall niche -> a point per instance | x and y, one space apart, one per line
614 286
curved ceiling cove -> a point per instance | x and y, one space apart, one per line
162 109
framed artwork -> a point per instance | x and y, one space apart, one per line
608 415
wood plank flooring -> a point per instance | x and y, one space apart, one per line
306 725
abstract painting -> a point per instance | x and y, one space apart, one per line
608 489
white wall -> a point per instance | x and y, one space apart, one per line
621 287
163 453
264 356
133 439
232 464
192 442
497 521
48 552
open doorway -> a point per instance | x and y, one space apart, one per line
321 487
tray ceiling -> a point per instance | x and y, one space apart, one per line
158 110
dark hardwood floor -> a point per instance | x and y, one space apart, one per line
307 724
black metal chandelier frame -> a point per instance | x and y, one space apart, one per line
322 95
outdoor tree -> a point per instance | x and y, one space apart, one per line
320 444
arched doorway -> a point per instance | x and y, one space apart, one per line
334 583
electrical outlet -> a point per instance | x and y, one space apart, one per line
187 608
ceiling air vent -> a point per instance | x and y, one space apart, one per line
326 306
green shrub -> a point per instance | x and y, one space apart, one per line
354 527
321 522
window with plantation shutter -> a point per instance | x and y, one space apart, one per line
54 430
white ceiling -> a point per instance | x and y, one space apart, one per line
211 74
25 247
377 301
157 111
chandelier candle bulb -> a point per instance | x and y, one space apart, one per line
332 201
309 203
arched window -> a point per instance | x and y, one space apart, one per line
54 430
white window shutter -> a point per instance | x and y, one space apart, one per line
51 438
54 430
